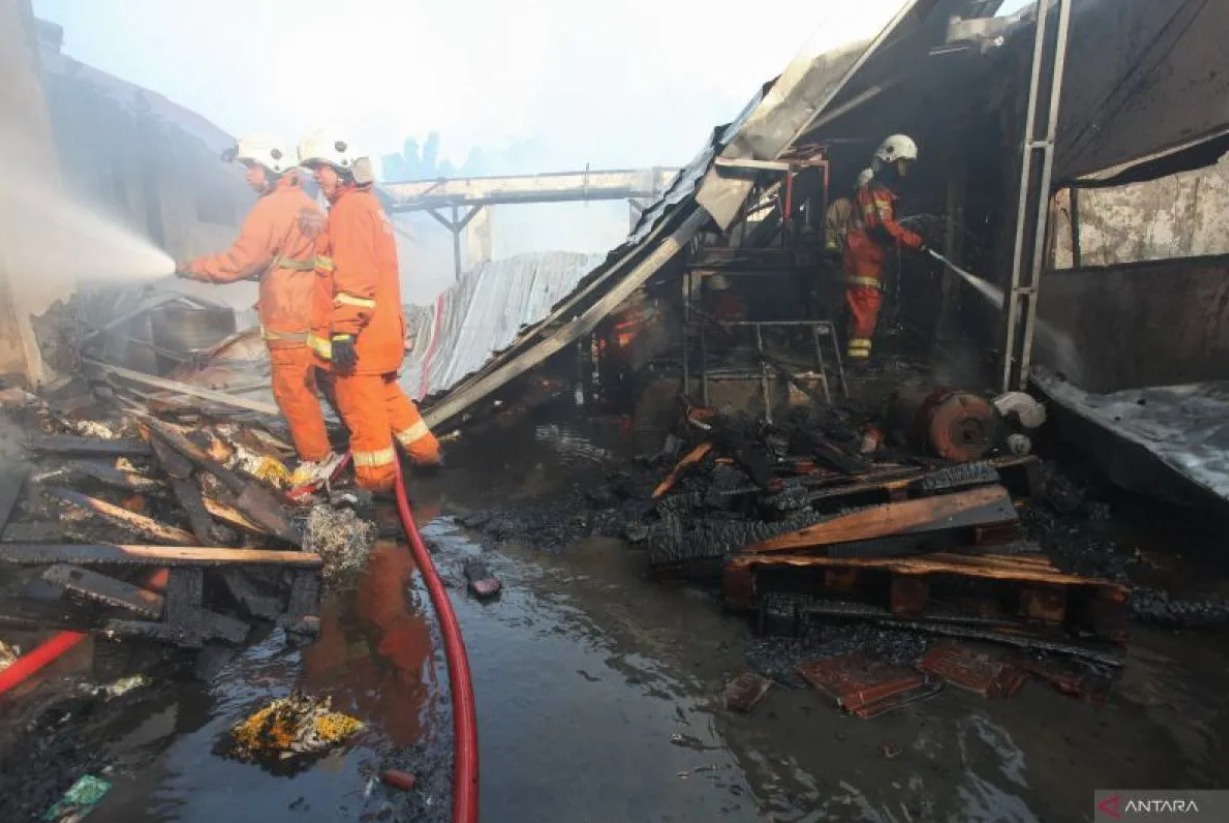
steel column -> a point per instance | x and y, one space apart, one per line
1020 304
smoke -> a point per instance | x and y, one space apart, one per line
53 244
1059 346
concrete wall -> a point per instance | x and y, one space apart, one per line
26 136
1141 324
1183 215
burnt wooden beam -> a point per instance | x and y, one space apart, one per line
976 507
253 500
212 626
108 553
106 590
740 588
690 459
189 497
138 524
12 481
248 595
40 615
37 532
227 514
86 446
303 610
109 475
185 604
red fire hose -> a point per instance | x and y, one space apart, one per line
24 667
464 720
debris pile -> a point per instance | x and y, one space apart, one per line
297 725
173 528
820 522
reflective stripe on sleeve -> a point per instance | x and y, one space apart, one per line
343 299
371 460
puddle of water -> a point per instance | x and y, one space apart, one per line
598 695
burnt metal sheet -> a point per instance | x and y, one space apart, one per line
1182 430
793 96
1141 77
1140 80
803 92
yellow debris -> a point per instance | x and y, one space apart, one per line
292 725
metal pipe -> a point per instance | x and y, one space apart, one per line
1047 175
1026 173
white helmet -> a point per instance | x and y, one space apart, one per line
327 145
866 176
897 147
265 150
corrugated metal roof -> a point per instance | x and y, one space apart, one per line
483 314
779 110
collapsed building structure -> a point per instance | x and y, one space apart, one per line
958 80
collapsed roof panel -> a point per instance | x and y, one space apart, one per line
1140 79
483 313
792 96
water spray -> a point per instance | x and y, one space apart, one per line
1063 347
991 293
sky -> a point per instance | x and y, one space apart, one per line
635 83
535 85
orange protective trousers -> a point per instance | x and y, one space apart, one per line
295 390
376 410
864 303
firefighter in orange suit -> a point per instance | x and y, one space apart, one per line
873 232
358 328
273 249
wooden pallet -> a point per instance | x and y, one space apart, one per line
1022 590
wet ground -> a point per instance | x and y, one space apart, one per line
598 695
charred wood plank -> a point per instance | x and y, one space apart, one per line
12 481
213 626
172 462
106 590
86 446
1007 635
303 609
957 564
248 595
33 533
255 501
138 524
690 459
185 599
189 497
971 508
108 553
40 615
227 514
109 475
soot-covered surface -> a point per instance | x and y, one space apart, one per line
599 694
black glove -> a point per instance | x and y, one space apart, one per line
345 358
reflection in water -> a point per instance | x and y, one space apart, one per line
375 648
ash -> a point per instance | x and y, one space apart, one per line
343 539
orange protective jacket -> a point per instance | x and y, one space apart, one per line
358 283
273 248
873 229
